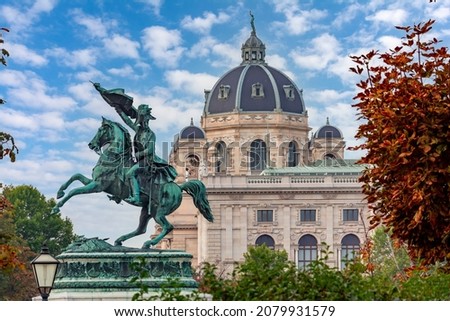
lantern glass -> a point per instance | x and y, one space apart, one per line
44 268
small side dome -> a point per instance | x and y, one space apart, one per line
328 132
192 132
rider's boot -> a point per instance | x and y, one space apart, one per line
135 197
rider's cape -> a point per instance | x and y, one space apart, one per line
164 173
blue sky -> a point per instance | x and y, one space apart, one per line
165 53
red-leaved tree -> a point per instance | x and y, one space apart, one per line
404 99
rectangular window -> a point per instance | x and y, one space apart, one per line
264 215
307 215
350 215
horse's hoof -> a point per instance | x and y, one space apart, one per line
147 245
59 194
118 243
133 201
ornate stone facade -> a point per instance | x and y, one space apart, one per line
267 181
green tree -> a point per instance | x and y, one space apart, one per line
34 221
7 145
404 99
386 257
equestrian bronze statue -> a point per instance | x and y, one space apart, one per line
130 171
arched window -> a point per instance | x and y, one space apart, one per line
292 160
192 164
267 240
221 157
307 250
258 155
349 248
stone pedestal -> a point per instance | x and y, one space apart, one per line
92 269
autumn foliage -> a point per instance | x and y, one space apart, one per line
7 145
404 99
9 254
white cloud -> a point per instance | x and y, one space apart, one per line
297 21
389 42
324 49
121 46
218 54
89 74
20 17
189 83
441 14
124 71
39 98
155 5
14 78
202 48
341 68
82 91
329 96
348 14
163 45
95 26
22 55
42 6
28 89
13 119
14 18
34 127
52 120
389 16
204 24
77 58
279 62
83 125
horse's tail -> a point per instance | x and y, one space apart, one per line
197 190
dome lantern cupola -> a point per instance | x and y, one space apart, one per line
254 86
192 132
329 131
253 50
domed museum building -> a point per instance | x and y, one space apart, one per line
269 179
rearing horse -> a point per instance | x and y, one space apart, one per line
112 142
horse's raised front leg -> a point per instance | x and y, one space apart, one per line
92 187
76 177
144 218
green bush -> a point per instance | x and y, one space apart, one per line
268 275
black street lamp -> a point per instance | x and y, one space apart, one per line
44 268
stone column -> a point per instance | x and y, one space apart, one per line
287 231
227 245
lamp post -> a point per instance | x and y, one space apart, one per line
44 269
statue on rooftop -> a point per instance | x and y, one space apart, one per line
252 23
